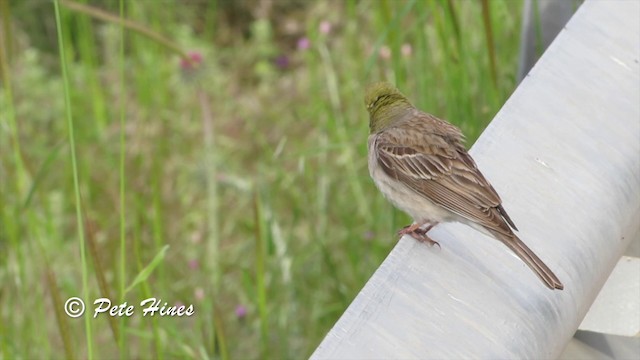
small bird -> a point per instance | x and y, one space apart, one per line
421 166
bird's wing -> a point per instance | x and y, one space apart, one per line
433 162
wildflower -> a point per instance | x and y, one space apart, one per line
191 66
368 235
385 52
303 43
282 62
325 27
192 61
194 264
406 50
199 293
241 311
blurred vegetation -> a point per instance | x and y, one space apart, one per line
247 158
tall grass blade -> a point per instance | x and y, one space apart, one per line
76 181
491 49
144 274
61 318
121 340
100 274
261 291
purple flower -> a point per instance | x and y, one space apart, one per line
194 264
192 61
282 62
368 235
303 43
241 311
325 27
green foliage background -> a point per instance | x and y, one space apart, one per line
251 165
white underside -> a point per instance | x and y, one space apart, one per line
421 209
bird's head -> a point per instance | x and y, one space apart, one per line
384 103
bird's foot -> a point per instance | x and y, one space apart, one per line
422 237
417 232
409 229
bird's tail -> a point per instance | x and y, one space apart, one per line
532 260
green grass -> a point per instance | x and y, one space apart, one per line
252 171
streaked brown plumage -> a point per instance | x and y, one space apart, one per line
420 164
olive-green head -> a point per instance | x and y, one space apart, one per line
385 103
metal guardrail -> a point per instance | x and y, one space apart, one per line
564 154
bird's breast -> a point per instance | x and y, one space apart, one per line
402 196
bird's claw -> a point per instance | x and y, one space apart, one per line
416 232
422 237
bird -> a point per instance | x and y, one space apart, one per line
420 165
